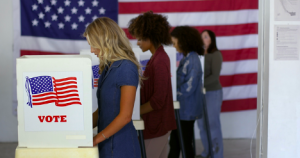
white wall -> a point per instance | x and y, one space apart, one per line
283 111
234 124
8 122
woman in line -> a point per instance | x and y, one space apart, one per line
157 111
187 41
120 76
214 95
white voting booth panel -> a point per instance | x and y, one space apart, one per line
94 75
54 101
171 51
94 85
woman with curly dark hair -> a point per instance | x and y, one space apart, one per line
187 41
157 111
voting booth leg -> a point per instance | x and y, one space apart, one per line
180 133
194 142
142 143
206 122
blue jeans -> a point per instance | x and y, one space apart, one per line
213 103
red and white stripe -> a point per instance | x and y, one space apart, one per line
96 82
67 91
235 22
44 98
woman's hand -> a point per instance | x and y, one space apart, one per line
98 139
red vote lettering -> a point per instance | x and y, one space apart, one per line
55 118
63 118
49 118
41 118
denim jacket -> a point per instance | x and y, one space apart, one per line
189 87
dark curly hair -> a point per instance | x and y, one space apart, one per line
189 39
154 27
213 45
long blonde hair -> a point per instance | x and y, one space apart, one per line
105 34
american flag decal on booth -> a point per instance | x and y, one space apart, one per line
43 90
96 75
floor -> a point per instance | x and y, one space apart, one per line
233 148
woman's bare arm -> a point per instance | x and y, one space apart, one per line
124 117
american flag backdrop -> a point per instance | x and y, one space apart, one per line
56 27
43 90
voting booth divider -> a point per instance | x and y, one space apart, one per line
54 106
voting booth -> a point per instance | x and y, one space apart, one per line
94 76
54 102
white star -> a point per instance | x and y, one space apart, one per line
102 10
35 22
81 18
88 11
41 15
81 3
60 10
95 3
34 7
53 2
47 24
54 17
40 1
74 10
67 18
86 25
67 3
47 9
74 26
94 17
61 25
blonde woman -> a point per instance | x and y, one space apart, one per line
120 76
